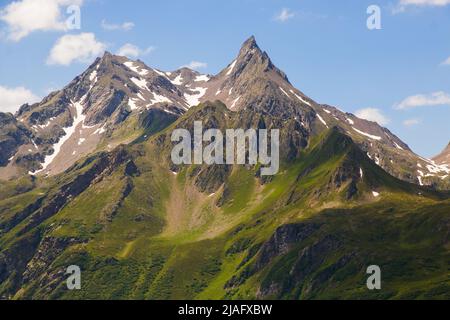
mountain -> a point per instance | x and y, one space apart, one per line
103 194
116 100
444 157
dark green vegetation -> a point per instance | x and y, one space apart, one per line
141 228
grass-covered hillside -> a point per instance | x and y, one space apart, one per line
141 228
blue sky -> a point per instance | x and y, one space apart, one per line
396 75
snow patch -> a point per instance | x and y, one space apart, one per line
178 80
141 83
397 146
282 90
133 67
231 68
234 102
350 121
93 76
420 180
377 160
300 98
100 130
321 120
159 99
194 99
130 65
201 78
132 104
78 118
43 126
366 134
437 169
162 74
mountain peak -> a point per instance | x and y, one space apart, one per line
249 44
250 47
252 59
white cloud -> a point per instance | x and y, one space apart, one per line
131 51
195 65
81 48
424 100
26 16
402 5
284 15
12 98
372 114
411 122
126 26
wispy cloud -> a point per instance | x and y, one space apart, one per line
133 51
373 114
284 15
125 26
446 62
12 98
26 16
83 47
402 5
195 65
424 100
411 122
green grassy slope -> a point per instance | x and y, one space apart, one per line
140 228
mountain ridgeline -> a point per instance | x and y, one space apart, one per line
87 180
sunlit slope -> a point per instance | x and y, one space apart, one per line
140 227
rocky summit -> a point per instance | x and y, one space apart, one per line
87 180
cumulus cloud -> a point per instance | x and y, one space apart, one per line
80 48
195 65
12 98
424 100
132 51
372 114
284 15
411 122
26 16
125 26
